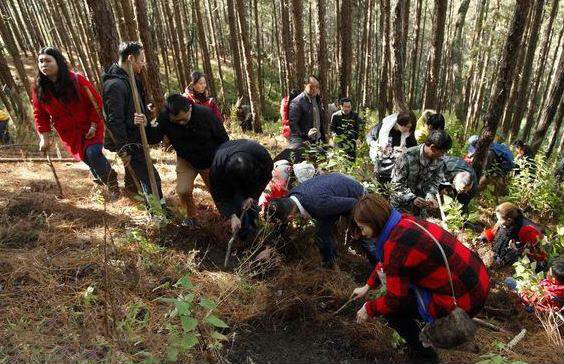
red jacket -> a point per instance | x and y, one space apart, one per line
208 102
284 113
71 120
410 257
529 236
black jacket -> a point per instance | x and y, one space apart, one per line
198 140
120 109
348 125
301 117
229 191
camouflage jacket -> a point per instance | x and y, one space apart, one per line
414 175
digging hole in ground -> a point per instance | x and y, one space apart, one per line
305 340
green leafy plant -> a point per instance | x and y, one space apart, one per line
525 275
139 237
492 358
536 192
189 324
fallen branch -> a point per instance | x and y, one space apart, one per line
54 174
488 325
35 160
516 339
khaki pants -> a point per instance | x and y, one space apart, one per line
185 176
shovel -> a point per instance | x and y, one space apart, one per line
231 241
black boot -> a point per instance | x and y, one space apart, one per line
408 329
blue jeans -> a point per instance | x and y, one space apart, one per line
99 165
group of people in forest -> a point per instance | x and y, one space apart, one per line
426 270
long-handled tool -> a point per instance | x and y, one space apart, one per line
232 240
109 131
343 306
54 173
146 149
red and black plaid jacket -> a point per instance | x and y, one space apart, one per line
410 256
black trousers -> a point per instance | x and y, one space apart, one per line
139 166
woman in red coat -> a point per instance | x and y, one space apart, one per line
65 100
197 93
417 283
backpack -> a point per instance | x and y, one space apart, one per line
504 156
285 112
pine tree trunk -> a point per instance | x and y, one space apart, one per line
550 74
456 52
534 99
405 29
298 38
26 40
482 7
361 56
345 68
439 20
278 52
11 89
14 23
128 20
153 76
216 48
253 94
287 46
415 53
10 44
367 55
177 55
182 32
525 86
503 83
204 47
553 100
322 52
35 25
383 98
557 129
76 43
397 58
236 59
105 31
259 57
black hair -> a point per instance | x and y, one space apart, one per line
407 117
293 93
558 269
345 99
129 48
241 168
307 78
279 209
520 144
176 103
64 89
436 122
440 139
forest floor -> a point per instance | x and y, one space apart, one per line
72 292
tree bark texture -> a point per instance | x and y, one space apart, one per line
503 83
